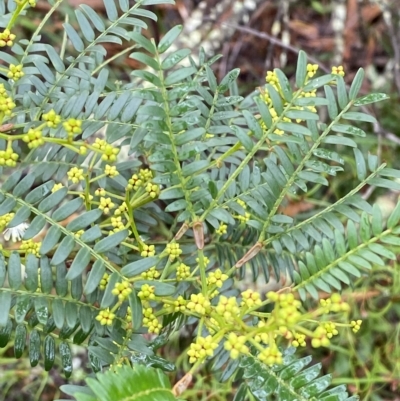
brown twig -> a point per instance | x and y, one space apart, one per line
276 41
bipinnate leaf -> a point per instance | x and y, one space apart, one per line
139 383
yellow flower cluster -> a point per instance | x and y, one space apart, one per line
199 304
146 292
222 229
109 153
182 272
272 79
311 70
150 321
145 174
52 119
6 38
120 209
128 317
153 190
6 102
117 223
15 72
72 127
180 304
100 192
106 204
206 261
104 281
355 325
299 340
142 179
338 70
286 311
236 345
203 347
227 308
8 158
271 355
334 304
110 171
75 175
33 138
284 322
79 233
5 219
173 250
242 218
148 250
217 278
31 247
134 183
250 298
56 187
151 274
105 317
122 290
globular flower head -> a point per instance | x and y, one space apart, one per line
182 272
271 355
299 340
8 158
6 102
15 72
52 118
6 38
75 175
173 250
338 70
355 325
311 70
110 171
150 321
320 338
236 345
104 281
148 250
227 308
151 274
250 298
222 229
4 220
56 187
122 290
73 127
199 304
146 292
153 190
201 349
217 278
30 246
33 138
121 209
116 222
145 174
105 317
106 204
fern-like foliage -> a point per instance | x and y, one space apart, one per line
134 384
292 381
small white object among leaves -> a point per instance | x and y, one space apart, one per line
15 233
